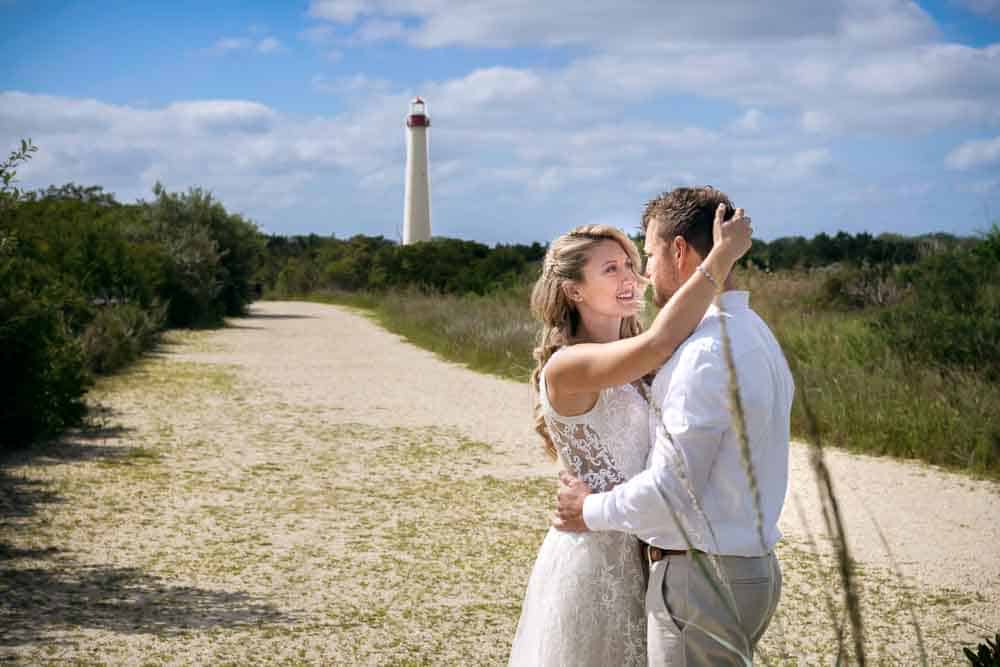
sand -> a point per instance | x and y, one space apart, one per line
305 487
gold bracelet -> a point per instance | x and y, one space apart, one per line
711 278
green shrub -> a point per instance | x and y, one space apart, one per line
211 256
44 377
952 318
119 333
67 251
306 264
860 287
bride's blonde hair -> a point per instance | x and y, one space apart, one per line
560 319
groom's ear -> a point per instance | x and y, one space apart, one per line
685 256
679 248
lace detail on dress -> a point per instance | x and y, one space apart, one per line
584 605
583 453
605 446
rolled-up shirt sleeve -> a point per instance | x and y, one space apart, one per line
695 417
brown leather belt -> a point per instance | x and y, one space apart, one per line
656 554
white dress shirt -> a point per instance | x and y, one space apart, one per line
695 481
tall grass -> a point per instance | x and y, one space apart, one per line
865 397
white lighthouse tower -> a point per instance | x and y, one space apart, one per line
417 207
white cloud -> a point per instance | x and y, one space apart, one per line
977 153
229 44
818 121
341 11
502 87
780 84
248 153
798 166
268 45
377 30
750 122
436 23
318 34
358 85
841 66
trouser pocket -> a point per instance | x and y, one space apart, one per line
662 586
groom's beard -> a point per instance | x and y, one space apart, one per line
661 296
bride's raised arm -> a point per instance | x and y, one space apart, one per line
586 368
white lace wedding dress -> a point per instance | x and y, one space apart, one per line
585 599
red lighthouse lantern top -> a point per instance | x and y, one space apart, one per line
418 114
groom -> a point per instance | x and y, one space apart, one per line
714 581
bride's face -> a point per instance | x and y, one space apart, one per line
611 286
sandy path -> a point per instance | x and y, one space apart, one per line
251 441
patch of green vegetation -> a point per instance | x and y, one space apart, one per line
163 375
867 397
492 333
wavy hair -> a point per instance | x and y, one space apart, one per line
564 262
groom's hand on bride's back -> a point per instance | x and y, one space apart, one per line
569 504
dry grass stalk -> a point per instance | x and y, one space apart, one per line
834 522
740 424
899 578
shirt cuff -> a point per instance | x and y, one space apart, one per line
593 512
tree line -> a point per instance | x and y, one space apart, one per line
297 265
87 283
300 265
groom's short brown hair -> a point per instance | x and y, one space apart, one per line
689 213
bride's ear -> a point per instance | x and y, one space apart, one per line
572 292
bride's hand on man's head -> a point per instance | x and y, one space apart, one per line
732 235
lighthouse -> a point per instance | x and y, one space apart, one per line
417 205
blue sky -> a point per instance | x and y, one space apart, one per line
861 115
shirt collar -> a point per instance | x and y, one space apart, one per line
730 301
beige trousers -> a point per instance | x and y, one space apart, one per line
689 624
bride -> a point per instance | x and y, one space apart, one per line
584 601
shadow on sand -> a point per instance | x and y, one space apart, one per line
20 495
43 589
57 593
